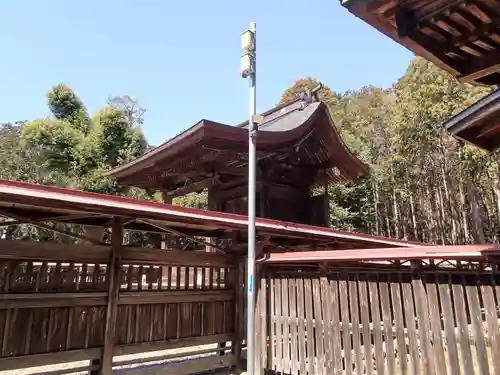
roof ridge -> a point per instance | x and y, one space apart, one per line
275 109
279 107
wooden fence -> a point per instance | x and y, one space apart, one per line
64 303
384 321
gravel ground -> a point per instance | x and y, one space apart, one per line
120 369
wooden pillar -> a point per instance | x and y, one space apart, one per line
164 269
96 367
260 322
269 323
239 279
95 233
166 198
213 205
262 201
262 193
327 204
114 280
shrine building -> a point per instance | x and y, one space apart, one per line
299 152
461 37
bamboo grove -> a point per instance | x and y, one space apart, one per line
424 184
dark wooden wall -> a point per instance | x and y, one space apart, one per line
57 304
274 201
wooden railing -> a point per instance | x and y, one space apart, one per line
57 304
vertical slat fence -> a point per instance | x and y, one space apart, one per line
390 321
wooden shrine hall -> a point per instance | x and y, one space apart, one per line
461 37
299 151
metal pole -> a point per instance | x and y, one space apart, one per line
252 169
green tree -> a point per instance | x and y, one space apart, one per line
424 185
75 150
325 94
66 106
133 111
193 200
81 148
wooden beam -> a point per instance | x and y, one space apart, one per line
172 357
145 256
50 218
437 50
195 366
406 253
194 187
477 33
449 6
177 233
413 38
114 280
48 227
154 346
47 359
54 252
46 300
174 296
479 67
382 24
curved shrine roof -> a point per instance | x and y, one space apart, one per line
301 134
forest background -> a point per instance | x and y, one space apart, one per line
424 185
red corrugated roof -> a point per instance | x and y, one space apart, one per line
397 253
40 197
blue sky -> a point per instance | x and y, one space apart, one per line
180 59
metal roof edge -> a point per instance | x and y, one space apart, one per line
463 119
380 254
364 168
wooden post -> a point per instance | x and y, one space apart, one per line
327 204
94 363
114 274
164 270
260 323
239 304
96 233
166 198
262 193
269 323
212 205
